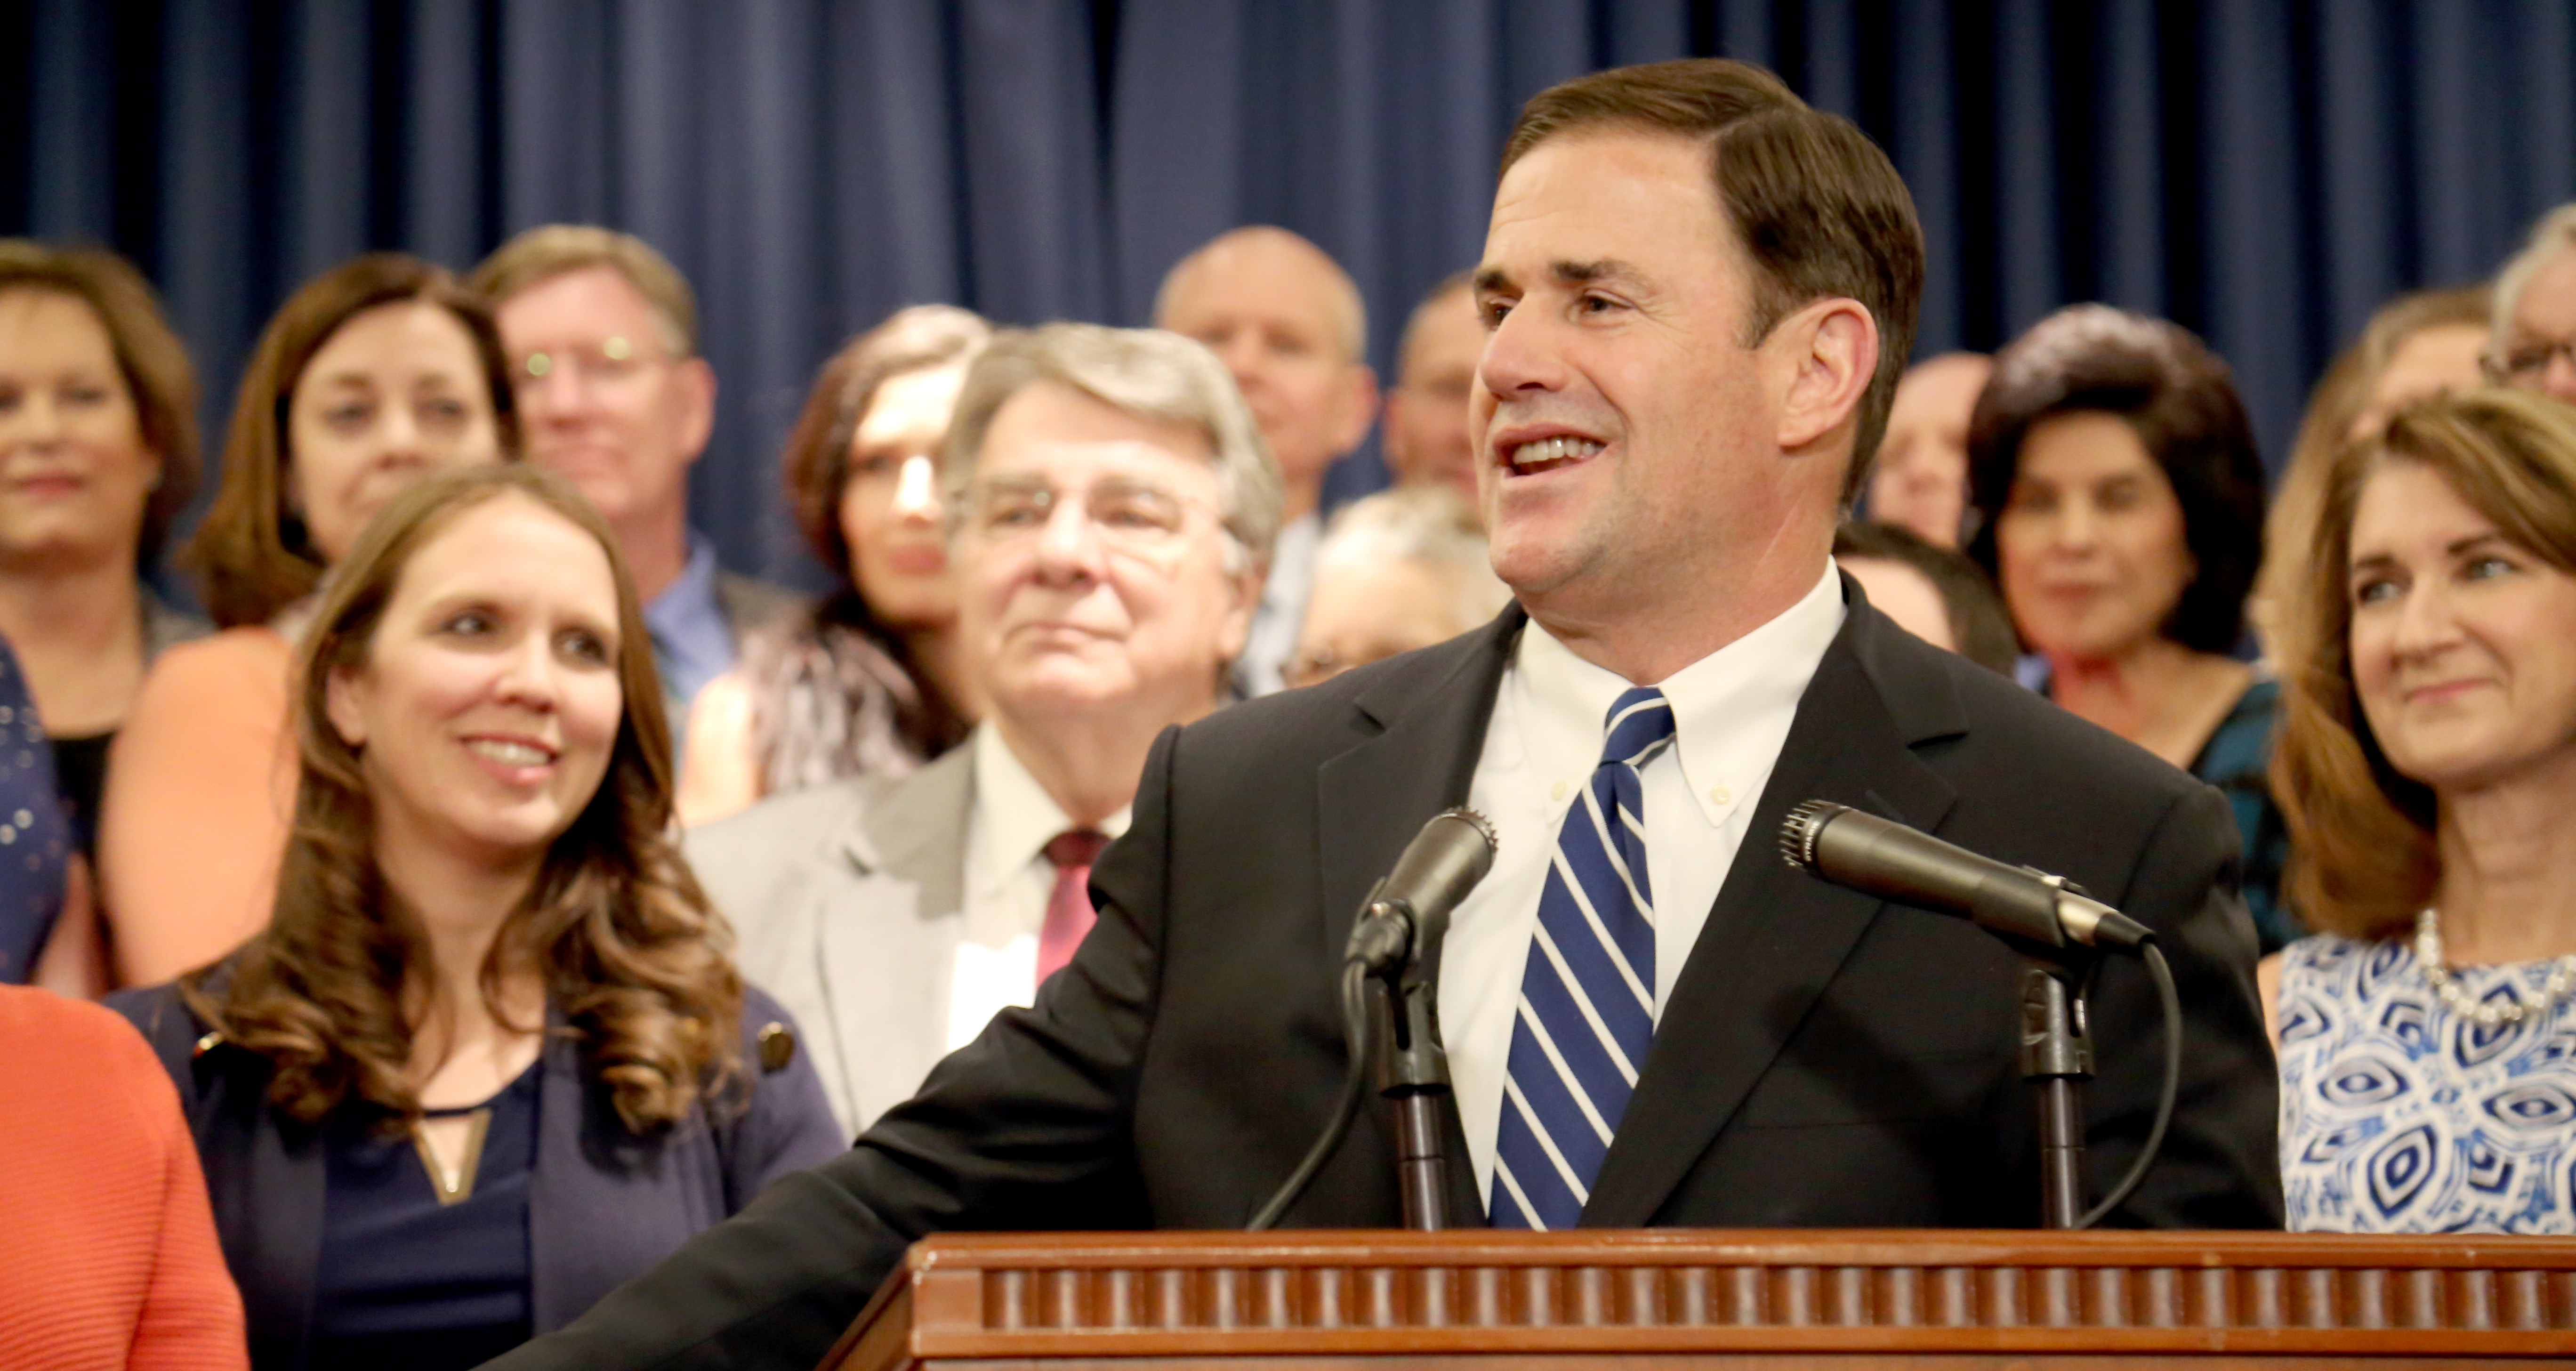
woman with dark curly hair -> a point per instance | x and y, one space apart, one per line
867 681
490 1057
2120 505
371 375
2427 765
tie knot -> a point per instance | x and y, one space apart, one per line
1639 726
1076 847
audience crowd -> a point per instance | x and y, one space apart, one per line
456 1029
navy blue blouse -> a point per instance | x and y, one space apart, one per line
407 1283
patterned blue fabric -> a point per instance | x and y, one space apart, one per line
35 839
2399 1116
1587 1007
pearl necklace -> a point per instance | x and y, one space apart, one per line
2485 1014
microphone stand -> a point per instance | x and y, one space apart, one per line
2057 1058
1413 1074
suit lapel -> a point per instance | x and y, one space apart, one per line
909 840
1372 799
1776 935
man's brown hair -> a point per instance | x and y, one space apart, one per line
550 250
151 357
1818 207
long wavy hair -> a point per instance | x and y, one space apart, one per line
2364 858
634 958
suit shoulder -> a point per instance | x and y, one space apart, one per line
1316 721
780 825
2018 740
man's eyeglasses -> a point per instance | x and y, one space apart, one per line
1137 515
2525 363
608 360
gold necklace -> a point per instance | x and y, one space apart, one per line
455 1186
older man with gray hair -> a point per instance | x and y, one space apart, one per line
2533 341
1113 508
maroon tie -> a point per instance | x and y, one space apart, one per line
1069 913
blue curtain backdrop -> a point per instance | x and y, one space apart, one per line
2264 171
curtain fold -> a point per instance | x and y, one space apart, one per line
2263 171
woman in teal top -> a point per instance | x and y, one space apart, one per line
2120 505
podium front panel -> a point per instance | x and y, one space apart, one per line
1664 1299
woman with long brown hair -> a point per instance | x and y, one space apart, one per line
2427 767
490 1056
373 374
867 681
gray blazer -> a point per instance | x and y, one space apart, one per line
849 903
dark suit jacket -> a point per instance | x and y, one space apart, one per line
1825 1060
603 1205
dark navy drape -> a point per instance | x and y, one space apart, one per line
2264 171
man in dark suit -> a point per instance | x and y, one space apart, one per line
1652 1019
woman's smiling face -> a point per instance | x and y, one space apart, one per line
486 709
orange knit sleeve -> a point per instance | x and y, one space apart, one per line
200 792
108 1255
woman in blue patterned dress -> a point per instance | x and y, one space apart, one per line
2427 766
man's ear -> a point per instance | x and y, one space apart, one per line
698 406
1359 408
1828 352
343 695
1235 631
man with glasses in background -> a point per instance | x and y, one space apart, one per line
613 396
2533 343
1112 509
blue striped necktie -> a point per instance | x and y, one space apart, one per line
1587 1005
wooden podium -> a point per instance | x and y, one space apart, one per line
1669 1299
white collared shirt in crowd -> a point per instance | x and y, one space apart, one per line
1008 883
1731 715
1281 615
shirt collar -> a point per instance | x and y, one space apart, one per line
1014 816
1720 702
686 619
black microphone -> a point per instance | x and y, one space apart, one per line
1409 911
1881 857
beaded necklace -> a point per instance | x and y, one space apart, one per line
2490 1013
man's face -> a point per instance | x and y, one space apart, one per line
1921 480
2539 346
604 401
1627 441
1427 438
1095 573
1270 308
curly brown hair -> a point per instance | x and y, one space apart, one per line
2181 402
2362 836
634 957
250 552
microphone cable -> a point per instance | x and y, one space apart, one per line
2171 1003
1346 1109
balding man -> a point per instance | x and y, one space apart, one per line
1427 442
1921 483
1288 323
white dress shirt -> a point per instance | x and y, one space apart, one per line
1281 615
1008 883
1731 715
